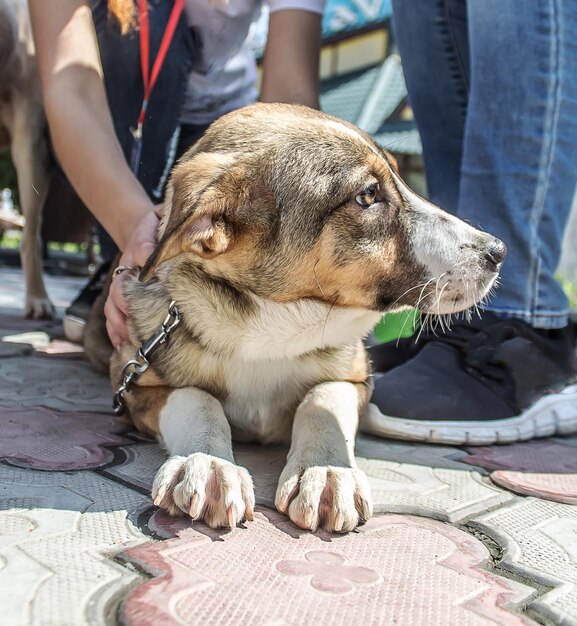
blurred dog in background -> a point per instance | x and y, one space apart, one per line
23 132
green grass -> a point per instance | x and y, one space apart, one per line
11 241
571 291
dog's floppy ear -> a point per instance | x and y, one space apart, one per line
200 197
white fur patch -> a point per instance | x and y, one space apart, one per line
352 133
281 330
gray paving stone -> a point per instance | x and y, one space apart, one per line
57 384
438 490
58 532
447 457
61 289
539 542
10 349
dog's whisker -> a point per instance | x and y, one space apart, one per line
327 320
409 290
317 278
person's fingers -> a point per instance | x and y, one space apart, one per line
141 254
115 324
136 253
143 241
116 293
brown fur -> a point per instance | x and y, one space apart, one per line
286 232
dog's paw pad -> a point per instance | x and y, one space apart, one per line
334 498
205 488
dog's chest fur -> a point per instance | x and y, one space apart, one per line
261 365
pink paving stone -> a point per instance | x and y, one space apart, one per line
41 438
544 469
61 349
397 569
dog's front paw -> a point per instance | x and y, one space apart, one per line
38 308
206 488
336 498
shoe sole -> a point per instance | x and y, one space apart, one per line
554 414
73 328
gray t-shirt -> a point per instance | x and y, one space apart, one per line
224 77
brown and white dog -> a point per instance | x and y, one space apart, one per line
286 234
22 130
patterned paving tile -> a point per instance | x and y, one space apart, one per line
139 466
10 349
539 542
58 534
59 384
396 570
14 323
545 469
61 289
143 460
45 439
447 457
445 494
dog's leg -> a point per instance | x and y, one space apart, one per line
320 484
201 478
30 158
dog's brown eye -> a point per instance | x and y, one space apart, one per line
368 196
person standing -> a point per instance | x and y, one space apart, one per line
493 87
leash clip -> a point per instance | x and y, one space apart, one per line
135 367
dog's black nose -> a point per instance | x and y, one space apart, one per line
495 254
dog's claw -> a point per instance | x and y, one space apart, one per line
336 498
205 488
364 509
231 516
195 506
339 522
310 518
159 497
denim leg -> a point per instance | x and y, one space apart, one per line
519 169
432 39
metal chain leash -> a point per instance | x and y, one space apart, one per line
134 368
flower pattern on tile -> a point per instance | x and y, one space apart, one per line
395 570
328 572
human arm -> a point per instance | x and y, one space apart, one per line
291 58
84 139
80 124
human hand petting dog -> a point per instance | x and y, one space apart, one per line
140 246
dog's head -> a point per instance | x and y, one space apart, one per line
290 203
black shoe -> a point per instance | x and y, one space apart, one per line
485 381
76 314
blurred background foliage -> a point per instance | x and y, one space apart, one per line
8 176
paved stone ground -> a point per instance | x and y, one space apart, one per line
461 536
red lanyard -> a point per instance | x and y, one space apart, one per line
148 77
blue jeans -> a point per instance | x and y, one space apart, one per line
493 86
